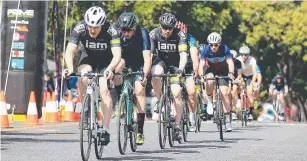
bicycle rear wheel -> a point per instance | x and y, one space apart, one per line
133 134
98 146
163 120
220 115
170 123
122 127
85 129
198 113
185 120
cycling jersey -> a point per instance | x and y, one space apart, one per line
168 50
216 60
278 86
258 70
95 51
132 49
247 69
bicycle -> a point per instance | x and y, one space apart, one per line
219 117
125 117
185 121
199 103
166 122
89 117
245 102
277 106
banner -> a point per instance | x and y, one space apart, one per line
28 45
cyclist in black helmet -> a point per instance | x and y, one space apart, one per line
135 55
170 45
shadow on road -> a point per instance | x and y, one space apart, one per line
35 134
173 151
226 141
137 158
32 140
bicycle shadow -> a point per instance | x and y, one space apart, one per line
136 158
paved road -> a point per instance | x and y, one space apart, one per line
258 141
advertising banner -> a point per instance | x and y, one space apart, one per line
23 44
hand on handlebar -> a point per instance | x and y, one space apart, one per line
179 72
108 74
230 75
195 74
66 73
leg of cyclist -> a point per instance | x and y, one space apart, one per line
226 102
84 67
191 89
176 92
158 68
250 95
209 92
118 81
281 99
139 90
234 95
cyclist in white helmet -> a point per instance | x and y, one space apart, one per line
101 51
217 56
238 76
249 66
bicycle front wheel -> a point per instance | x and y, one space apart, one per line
163 121
122 127
185 121
85 128
133 134
198 120
97 141
220 117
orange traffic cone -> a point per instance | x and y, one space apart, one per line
69 109
52 114
78 109
3 110
32 116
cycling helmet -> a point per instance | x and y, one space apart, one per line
279 74
95 16
181 26
167 20
201 47
214 38
127 20
233 53
244 50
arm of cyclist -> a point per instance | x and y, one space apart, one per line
72 47
286 87
230 63
255 74
146 53
194 55
272 86
259 79
116 51
203 65
182 48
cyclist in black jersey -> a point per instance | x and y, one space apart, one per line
191 67
101 50
170 45
136 55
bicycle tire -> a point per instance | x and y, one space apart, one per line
171 124
133 135
198 113
122 115
219 108
185 122
97 141
86 102
162 121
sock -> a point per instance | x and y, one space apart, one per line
141 118
118 90
192 116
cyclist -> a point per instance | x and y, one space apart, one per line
217 56
249 71
191 67
238 76
279 84
101 50
170 45
135 55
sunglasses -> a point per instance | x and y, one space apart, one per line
278 78
126 29
167 28
244 54
215 45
